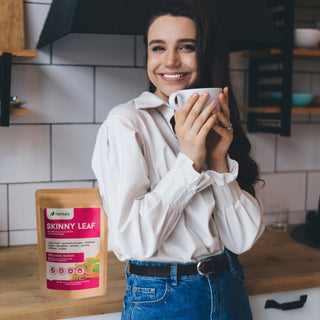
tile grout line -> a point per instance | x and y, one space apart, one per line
94 93
50 151
8 216
50 63
306 192
46 181
275 153
135 51
51 52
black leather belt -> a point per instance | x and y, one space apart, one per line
203 267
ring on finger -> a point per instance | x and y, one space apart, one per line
229 127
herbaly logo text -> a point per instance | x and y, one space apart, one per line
60 213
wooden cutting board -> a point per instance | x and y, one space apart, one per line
11 24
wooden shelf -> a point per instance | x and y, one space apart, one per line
18 111
19 53
307 3
306 53
294 110
299 53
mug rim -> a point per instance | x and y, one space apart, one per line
191 89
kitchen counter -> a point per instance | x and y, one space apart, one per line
276 263
279 263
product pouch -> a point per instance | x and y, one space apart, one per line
72 243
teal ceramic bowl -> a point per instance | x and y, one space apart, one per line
298 99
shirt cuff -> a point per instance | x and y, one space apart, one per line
221 179
225 187
182 182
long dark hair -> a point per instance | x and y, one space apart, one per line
213 71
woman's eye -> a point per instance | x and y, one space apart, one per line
188 47
157 48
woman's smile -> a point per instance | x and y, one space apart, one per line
174 76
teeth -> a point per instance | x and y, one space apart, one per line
173 76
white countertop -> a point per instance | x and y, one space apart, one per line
106 316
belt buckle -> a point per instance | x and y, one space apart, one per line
199 265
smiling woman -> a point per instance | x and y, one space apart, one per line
178 186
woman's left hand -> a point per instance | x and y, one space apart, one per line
220 137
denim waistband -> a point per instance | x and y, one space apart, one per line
174 266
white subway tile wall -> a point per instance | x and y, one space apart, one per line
238 81
33 29
302 150
4 239
22 237
94 49
263 150
284 189
140 52
110 84
313 188
72 148
54 94
25 153
23 209
39 1
69 89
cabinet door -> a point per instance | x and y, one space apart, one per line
310 310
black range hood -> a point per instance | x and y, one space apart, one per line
247 24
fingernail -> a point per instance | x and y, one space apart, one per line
205 94
194 95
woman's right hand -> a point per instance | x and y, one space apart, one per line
192 127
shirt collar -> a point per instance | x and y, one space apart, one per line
149 100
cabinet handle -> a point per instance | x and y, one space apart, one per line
287 305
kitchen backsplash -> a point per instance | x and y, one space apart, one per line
70 88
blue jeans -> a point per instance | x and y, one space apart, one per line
220 296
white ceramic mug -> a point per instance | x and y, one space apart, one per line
178 98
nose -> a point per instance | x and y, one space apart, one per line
172 58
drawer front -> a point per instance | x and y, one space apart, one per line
310 310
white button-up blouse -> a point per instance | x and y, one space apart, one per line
159 208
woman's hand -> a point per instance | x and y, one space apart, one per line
220 137
192 127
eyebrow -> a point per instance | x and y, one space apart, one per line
179 41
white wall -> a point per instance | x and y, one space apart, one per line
69 89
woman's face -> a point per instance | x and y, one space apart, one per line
172 61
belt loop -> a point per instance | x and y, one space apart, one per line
227 253
174 274
127 268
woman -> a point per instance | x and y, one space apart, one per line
177 187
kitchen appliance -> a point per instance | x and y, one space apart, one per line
249 25
309 233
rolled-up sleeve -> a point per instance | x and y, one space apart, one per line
139 218
237 214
